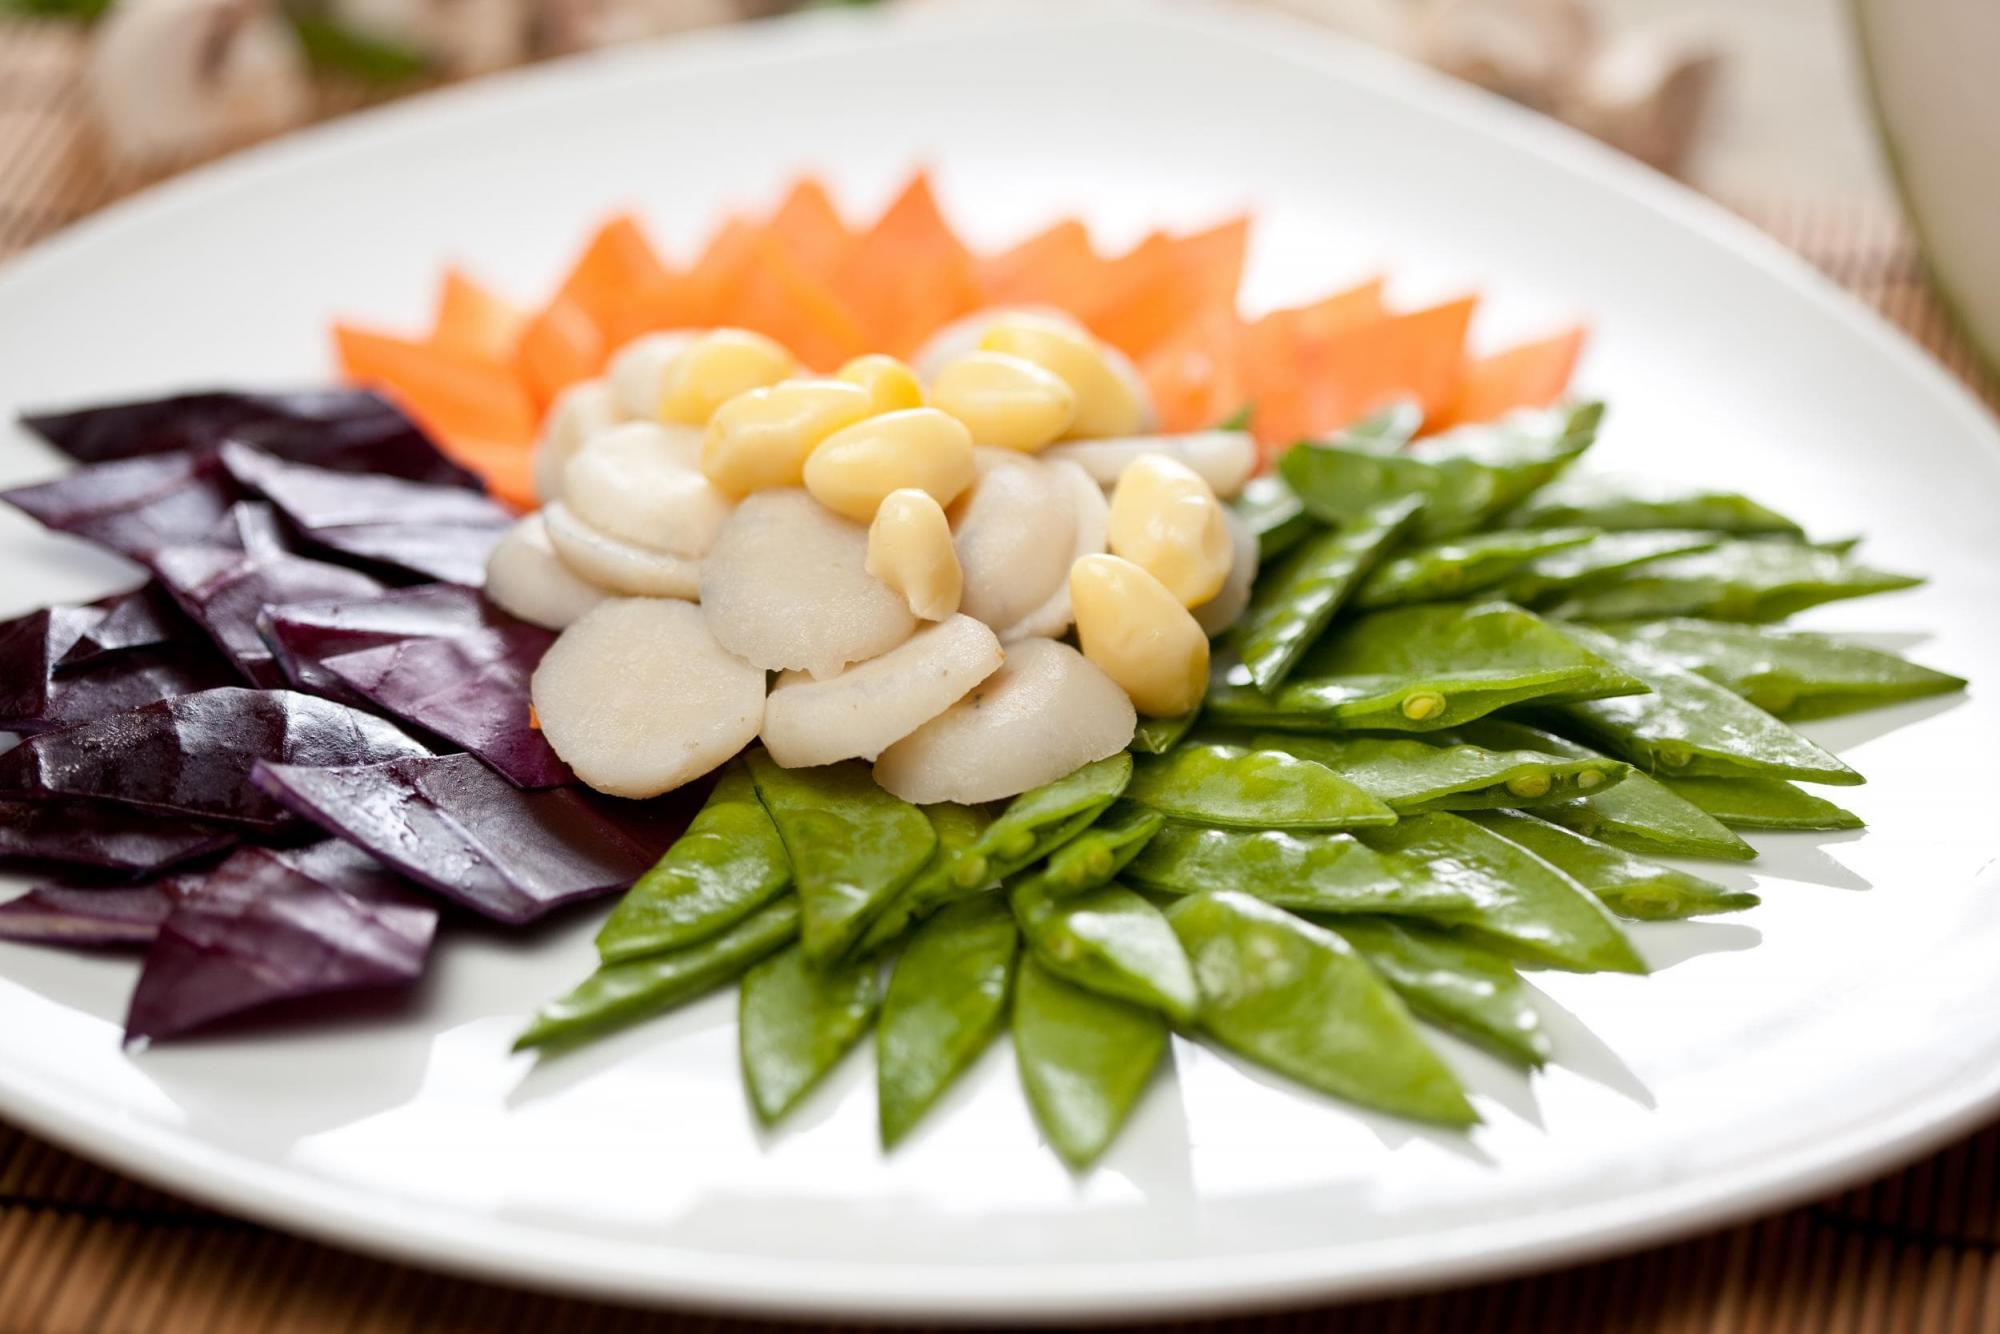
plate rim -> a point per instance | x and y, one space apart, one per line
665 1275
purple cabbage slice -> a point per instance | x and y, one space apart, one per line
248 525
143 618
268 926
90 916
193 755
350 429
30 647
471 689
453 824
301 634
103 837
223 591
134 506
439 532
119 682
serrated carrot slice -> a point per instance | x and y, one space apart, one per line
617 279
1531 375
561 346
1357 370
909 273
779 297
1272 353
507 469
475 321
1184 275
453 398
810 228
1052 267
1192 374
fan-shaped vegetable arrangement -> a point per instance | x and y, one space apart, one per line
911 637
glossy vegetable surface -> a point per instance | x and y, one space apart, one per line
1418 775
948 876
1735 581
946 999
728 864
1095 856
1085 1058
1453 983
1629 885
223 591
1305 872
1109 940
1763 803
852 846
133 506
92 916
1604 556
1213 783
1157 736
1457 567
1619 503
1274 513
104 837
1788 673
1297 998
795 1020
300 634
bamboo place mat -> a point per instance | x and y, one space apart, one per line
82 1249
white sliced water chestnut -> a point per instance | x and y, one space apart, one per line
638 373
1220 612
786 586
873 704
617 566
580 413
1224 459
642 483
1053 618
526 578
1013 531
1047 712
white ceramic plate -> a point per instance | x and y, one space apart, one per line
1847 1024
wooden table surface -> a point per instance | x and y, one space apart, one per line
82 1249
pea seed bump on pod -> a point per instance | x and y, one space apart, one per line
891 385
1110 397
1137 632
1166 519
910 550
1006 401
759 439
854 469
717 366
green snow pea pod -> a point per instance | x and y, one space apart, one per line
1293 604
1387 430
1305 872
1740 580
1084 1059
1617 503
1763 803
1112 941
729 863
1689 726
946 999
1453 983
1296 998
957 829
1213 783
1630 886
1603 557
1042 819
1275 513
1524 905
623 993
853 846
1421 775
1157 736
1788 673
1638 815
1098 854
795 1020
1417 669
1458 567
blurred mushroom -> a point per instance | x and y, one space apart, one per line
179 78
1529 50
580 25
1645 94
456 37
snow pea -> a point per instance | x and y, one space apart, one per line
1630 886
1603 556
1084 1060
1042 819
1098 854
957 829
1274 512
1739 580
1157 736
1690 726
729 863
1763 803
1110 940
795 1020
1523 904
853 846
1611 502
1295 997
1638 815
1417 669
1293 604
946 999
1215 783
1421 775
1457 567
1305 872
1453 983
1788 673
623 993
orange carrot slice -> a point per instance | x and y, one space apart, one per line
1051 267
475 321
561 346
1359 369
780 297
1193 375
453 398
810 229
909 273
1184 275
1532 375
616 279
507 469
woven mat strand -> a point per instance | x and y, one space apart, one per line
82 1249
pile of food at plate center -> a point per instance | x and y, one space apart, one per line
905 547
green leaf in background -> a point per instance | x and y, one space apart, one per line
337 48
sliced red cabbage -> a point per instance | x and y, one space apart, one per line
30 647
453 824
471 689
143 618
134 506
92 916
193 755
223 591
120 682
300 634
104 837
439 532
248 525
269 926
350 429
